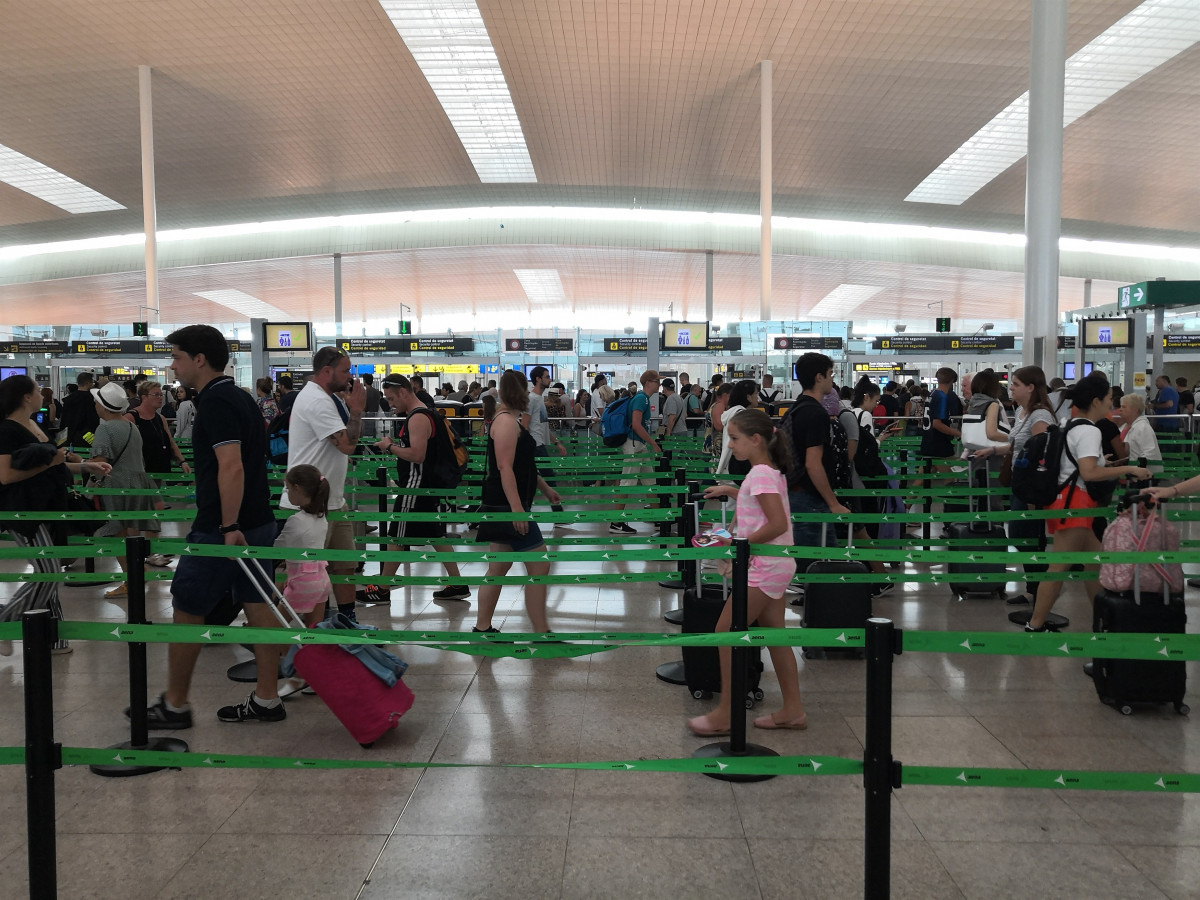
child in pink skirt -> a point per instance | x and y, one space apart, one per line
763 517
307 586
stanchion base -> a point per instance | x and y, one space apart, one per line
246 672
672 584
1193 582
671 673
674 617
723 748
167 744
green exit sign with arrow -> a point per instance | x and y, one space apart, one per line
1152 294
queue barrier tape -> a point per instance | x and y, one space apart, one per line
1147 646
946 776
731 765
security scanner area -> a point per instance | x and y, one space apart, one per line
485 449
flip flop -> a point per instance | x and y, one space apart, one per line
769 723
701 727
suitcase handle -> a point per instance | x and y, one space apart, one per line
271 595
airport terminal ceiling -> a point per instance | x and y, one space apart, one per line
285 110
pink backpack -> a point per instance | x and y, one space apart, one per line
1153 533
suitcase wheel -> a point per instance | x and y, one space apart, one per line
758 696
702 695
366 746
750 702
1126 709
814 653
1182 708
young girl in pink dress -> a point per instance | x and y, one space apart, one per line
763 517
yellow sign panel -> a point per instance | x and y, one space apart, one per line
954 344
1139 379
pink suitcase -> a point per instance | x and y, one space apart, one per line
359 698
361 701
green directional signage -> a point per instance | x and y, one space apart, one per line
1147 294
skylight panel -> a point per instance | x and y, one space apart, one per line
450 43
45 183
1143 40
246 305
843 300
542 286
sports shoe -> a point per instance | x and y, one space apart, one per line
121 590
250 711
1046 627
372 594
159 559
880 590
796 589
475 630
289 686
158 716
620 528
453 592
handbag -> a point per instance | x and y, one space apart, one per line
974 430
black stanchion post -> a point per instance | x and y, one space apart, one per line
381 481
673 672
881 773
738 694
682 526
927 501
664 500
139 729
39 631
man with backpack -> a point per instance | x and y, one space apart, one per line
814 477
938 430
768 394
638 437
424 459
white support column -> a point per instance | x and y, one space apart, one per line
652 344
337 294
1156 352
149 203
766 155
1043 182
708 286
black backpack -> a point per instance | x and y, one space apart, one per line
835 456
867 461
448 455
277 438
1035 471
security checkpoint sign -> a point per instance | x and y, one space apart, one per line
1154 294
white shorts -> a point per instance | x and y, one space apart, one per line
632 469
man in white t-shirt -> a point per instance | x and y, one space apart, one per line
324 432
538 423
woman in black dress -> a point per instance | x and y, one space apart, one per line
34 476
509 483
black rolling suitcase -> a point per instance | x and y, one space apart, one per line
701 665
976 531
835 605
1120 683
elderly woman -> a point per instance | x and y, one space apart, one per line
1137 434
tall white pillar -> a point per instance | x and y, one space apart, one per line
337 294
652 343
765 150
149 203
1043 181
708 286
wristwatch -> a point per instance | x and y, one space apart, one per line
225 529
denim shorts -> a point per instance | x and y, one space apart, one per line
201 581
503 532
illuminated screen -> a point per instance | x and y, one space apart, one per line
685 336
1069 370
526 368
1107 333
8 371
288 336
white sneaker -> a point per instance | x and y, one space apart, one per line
289 686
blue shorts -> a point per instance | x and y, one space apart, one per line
504 533
201 581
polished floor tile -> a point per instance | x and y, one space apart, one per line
489 830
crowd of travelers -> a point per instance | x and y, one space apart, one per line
772 455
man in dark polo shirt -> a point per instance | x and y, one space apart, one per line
233 507
809 490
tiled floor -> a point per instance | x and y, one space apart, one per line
481 832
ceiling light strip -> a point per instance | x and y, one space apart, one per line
1143 40
450 43
541 285
245 304
45 183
